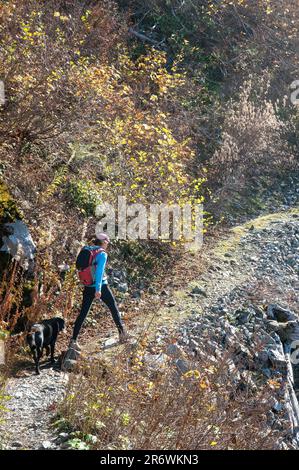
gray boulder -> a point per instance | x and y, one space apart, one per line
173 350
69 360
198 290
155 361
244 316
18 243
182 366
46 445
288 331
278 360
122 287
280 314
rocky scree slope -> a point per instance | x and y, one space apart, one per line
246 303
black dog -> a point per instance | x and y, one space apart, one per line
44 335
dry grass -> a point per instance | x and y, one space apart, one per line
254 143
127 405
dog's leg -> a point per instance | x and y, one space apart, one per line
39 348
52 352
36 361
47 350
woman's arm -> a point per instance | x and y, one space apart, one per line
101 259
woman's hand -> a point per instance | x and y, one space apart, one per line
98 295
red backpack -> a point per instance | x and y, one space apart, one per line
86 264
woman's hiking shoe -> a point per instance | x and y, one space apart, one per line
124 337
74 345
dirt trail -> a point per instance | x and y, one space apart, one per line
234 266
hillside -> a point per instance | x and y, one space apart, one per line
162 103
216 323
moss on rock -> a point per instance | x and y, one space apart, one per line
8 209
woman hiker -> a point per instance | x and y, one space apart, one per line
99 290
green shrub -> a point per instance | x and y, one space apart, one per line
83 196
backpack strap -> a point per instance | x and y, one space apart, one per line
94 254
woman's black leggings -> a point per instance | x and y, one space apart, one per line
88 297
